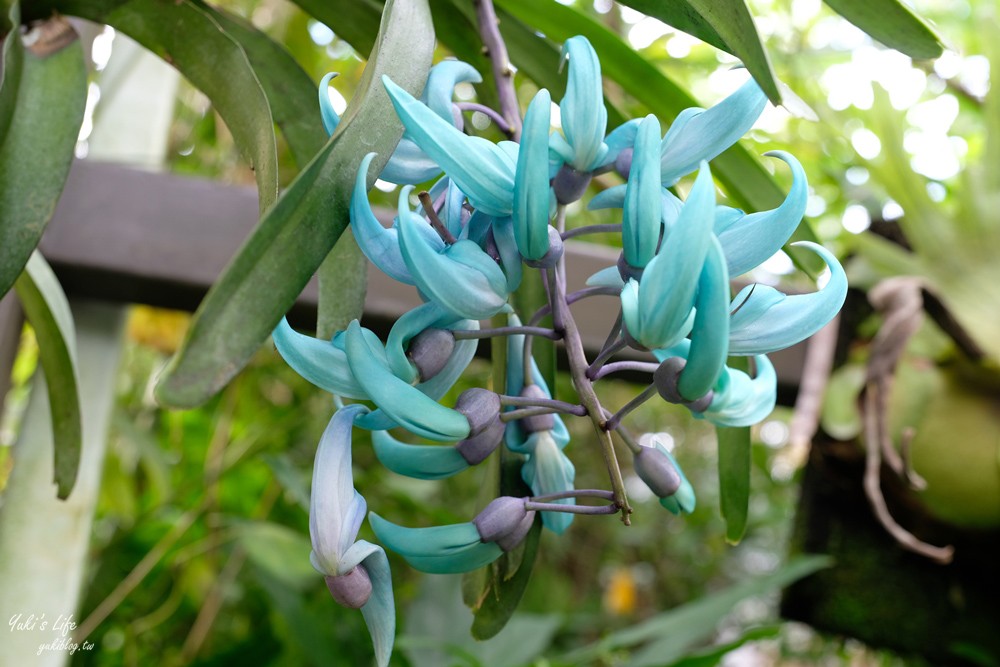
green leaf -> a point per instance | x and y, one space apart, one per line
343 281
186 35
734 472
42 100
682 16
280 551
291 94
47 311
673 633
892 23
712 656
292 239
354 21
732 21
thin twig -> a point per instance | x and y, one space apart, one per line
489 112
571 509
496 50
574 493
615 419
432 217
521 413
619 366
560 406
592 229
544 332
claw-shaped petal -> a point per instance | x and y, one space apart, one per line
531 184
766 320
740 400
379 612
403 403
710 333
322 362
441 82
657 309
506 240
584 118
549 470
749 240
483 170
641 218
698 135
418 461
439 549
460 278
331 119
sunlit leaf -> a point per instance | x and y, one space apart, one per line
892 23
293 238
47 311
42 99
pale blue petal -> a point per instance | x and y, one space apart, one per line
321 362
584 118
752 239
742 401
441 82
484 171
331 119
768 320
710 332
621 138
413 322
609 277
408 165
380 611
614 197
438 549
549 470
454 214
503 235
667 288
531 184
642 206
703 136
462 278
726 217
631 312
404 404
419 461
336 510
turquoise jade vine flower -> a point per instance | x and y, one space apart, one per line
494 211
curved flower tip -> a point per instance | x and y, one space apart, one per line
531 183
698 135
321 362
681 501
657 310
331 119
749 240
483 170
642 206
710 332
460 278
584 118
404 404
439 549
766 320
441 82
417 461
741 401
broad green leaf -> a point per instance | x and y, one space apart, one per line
713 656
682 16
892 23
185 34
343 281
734 480
42 100
291 94
292 239
354 21
732 21
279 550
47 310
674 632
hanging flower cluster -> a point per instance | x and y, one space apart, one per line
495 211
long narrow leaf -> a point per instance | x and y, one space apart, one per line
892 23
42 100
682 16
186 35
293 238
47 311
734 480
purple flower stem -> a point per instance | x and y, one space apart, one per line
559 406
592 229
618 366
571 509
574 493
616 418
491 113
496 51
466 334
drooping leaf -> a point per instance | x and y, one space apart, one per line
892 23
734 479
673 632
46 308
343 281
42 99
294 237
682 16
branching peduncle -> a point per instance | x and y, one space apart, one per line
496 50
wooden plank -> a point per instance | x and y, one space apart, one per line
126 235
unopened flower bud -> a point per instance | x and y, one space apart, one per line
554 254
351 590
657 470
504 521
536 423
476 448
570 184
480 406
430 350
666 376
